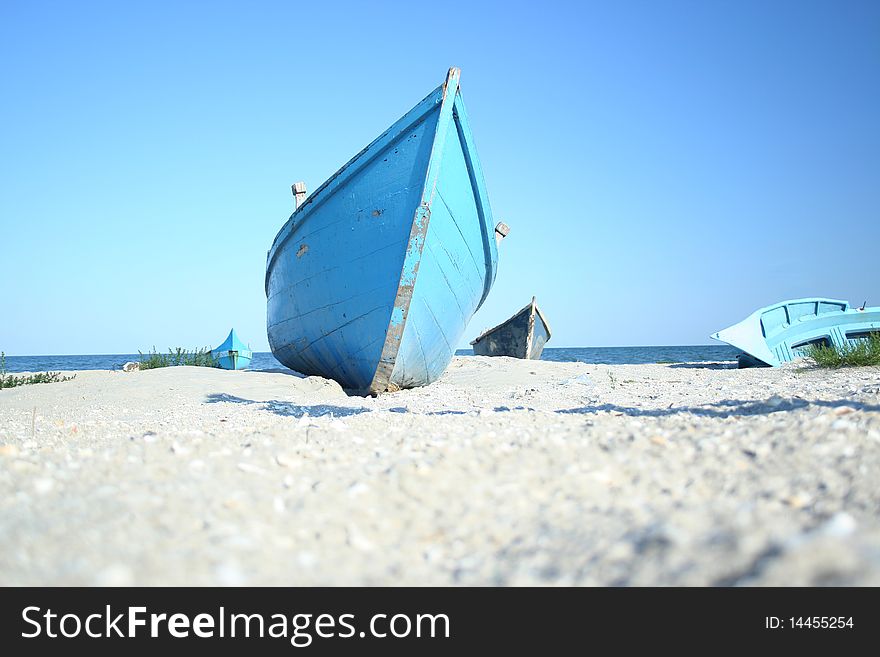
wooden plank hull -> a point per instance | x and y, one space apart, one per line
374 278
522 336
780 333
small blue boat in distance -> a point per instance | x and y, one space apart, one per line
233 354
374 278
779 333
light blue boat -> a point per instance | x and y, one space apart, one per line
780 333
373 279
233 354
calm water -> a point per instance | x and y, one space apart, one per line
265 360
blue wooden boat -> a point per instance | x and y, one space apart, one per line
373 279
780 333
522 336
233 354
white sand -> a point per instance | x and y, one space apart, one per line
505 472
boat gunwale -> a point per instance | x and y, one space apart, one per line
755 316
232 339
543 319
532 306
323 193
481 196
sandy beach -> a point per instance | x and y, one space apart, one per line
505 472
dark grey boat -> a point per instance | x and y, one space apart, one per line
521 336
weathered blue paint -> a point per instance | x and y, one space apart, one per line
779 333
233 354
374 278
522 336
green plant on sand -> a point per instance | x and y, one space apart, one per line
863 351
179 356
11 380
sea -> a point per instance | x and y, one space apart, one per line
265 360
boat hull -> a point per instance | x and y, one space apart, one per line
372 281
780 333
234 360
522 336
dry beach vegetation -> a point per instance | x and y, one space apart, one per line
8 380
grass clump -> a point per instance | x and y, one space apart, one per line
12 380
861 352
178 356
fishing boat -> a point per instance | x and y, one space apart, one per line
373 279
233 354
522 336
780 333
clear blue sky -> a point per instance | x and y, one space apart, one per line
666 167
